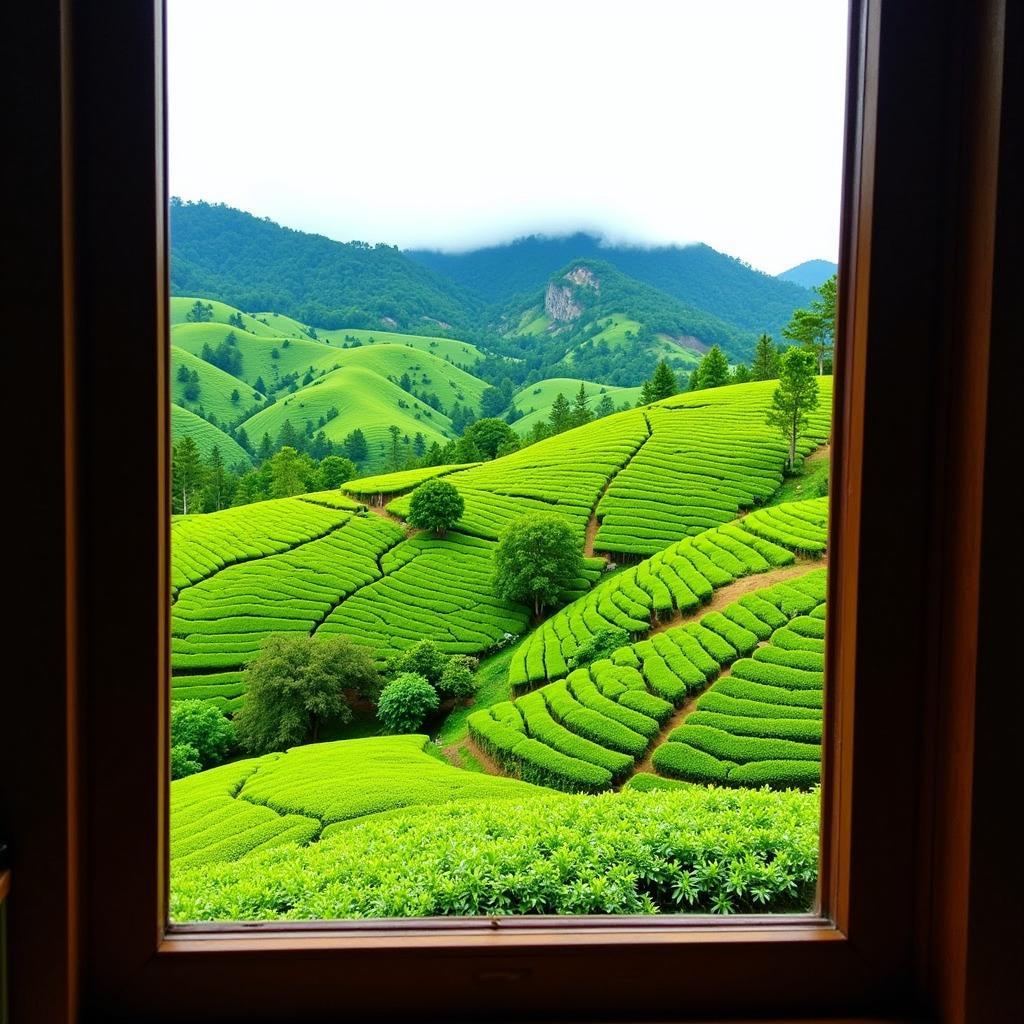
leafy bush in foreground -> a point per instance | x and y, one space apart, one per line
202 728
405 702
184 760
690 850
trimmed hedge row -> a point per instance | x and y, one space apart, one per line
760 725
678 578
709 455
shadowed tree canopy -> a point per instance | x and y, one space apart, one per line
295 684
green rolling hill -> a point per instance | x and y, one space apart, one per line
363 399
215 388
206 436
219 312
461 353
535 400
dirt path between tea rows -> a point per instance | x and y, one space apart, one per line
593 524
738 588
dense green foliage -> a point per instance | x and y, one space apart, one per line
694 850
295 684
256 264
405 702
436 505
204 730
694 274
537 560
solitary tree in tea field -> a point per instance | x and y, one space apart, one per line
794 398
537 559
436 505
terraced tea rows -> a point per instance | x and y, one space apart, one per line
650 476
225 813
438 590
761 724
565 474
218 624
710 454
203 545
589 730
676 580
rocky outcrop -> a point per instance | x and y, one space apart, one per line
560 302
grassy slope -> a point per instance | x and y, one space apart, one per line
539 397
283 326
215 387
427 372
205 435
462 353
221 311
257 352
363 399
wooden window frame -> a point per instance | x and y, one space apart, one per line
924 196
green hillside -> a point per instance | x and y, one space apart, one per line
363 399
294 355
215 388
254 263
535 400
220 313
283 326
461 353
633 484
593 726
428 373
206 436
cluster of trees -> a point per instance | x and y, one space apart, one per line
298 684
226 355
207 484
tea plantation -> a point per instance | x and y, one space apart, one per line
758 724
674 770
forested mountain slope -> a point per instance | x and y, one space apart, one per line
695 274
256 264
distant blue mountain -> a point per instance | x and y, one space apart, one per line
810 273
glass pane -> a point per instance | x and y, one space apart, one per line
501 368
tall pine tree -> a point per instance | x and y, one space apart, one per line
580 412
794 398
712 372
560 416
766 360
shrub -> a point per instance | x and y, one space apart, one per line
456 680
405 702
600 645
201 728
436 505
295 684
184 760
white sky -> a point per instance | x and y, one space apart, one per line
455 123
